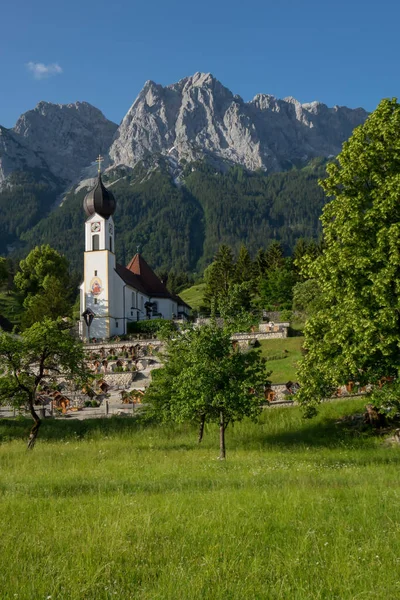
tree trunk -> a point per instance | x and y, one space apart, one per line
201 428
222 428
35 429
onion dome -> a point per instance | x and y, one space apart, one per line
99 200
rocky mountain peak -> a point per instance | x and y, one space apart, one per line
198 117
66 136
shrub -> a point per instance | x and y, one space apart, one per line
286 315
150 326
387 399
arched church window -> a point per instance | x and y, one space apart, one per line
95 242
111 248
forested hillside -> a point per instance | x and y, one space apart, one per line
181 226
27 198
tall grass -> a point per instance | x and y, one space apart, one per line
116 509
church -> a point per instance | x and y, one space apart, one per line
114 295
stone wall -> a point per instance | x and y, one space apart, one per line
117 347
242 337
119 380
274 328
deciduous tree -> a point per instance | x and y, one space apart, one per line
45 351
41 262
206 379
44 280
355 334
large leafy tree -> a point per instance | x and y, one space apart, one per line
46 351
355 334
44 280
206 379
41 262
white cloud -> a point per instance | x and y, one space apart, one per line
41 71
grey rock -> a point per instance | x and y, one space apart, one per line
193 119
60 138
15 155
67 136
198 117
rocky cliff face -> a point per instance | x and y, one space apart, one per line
60 138
195 118
14 155
198 117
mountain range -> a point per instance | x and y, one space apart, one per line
170 134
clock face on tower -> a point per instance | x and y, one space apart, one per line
95 227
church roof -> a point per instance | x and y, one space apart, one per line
130 278
139 275
139 267
99 200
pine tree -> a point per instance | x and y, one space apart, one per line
219 276
274 256
244 266
260 264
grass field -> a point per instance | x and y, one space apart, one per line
287 352
194 295
300 510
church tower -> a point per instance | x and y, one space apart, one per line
97 291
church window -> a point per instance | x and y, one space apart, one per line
95 300
95 242
95 273
116 323
111 248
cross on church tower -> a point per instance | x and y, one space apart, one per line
99 160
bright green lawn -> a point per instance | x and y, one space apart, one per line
194 295
300 510
284 367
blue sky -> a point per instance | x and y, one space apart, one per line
342 52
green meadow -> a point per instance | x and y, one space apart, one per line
194 295
119 509
283 356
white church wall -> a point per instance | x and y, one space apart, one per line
96 296
117 304
166 307
131 312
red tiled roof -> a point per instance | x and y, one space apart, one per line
139 275
130 278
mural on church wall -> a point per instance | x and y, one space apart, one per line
96 286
